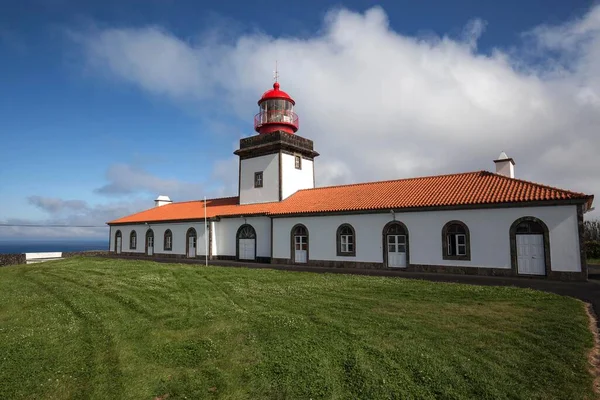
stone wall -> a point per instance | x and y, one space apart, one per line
11 259
16 259
89 253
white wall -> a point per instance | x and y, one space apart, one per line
226 231
295 179
489 232
179 231
269 165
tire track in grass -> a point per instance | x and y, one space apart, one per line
122 300
188 294
237 306
93 334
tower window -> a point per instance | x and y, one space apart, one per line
298 162
258 179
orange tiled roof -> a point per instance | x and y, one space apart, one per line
195 210
471 188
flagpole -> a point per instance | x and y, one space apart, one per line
205 233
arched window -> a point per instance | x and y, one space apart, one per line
132 240
346 241
529 227
168 243
395 228
300 230
246 232
456 241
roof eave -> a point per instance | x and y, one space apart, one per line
379 210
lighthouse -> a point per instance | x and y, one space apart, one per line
276 112
276 162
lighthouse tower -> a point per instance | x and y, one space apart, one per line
276 162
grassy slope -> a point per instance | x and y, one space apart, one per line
106 329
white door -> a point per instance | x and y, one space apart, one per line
300 249
192 246
530 255
150 240
396 248
118 244
246 249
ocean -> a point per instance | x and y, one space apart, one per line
55 245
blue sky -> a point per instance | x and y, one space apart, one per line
104 105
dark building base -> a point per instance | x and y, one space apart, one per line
443 269
261 260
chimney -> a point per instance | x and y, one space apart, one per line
162 200
505 165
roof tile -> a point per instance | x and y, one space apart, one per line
471 188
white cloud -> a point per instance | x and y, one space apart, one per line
127 179
56 205
382 105
76 214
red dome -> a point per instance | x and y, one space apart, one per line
275 93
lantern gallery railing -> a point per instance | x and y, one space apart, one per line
276 117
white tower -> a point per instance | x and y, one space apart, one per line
275 163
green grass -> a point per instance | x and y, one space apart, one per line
114 329
593 261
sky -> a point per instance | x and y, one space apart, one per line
104 105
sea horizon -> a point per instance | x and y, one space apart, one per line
19 246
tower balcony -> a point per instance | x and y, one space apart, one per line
276 117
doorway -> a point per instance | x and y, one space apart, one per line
149 242
300 244
246 243
395 248
191 243
529 236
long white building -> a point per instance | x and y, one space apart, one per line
474 223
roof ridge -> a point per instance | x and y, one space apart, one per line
394 180
202 200
541 185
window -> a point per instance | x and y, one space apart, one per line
456 246
132 240
529 227
298 162
346 243
258 179
168 244
246 232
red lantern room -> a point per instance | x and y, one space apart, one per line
276 112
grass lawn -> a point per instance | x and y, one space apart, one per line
119 329
593 261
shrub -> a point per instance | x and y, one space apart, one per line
591 230
592 248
